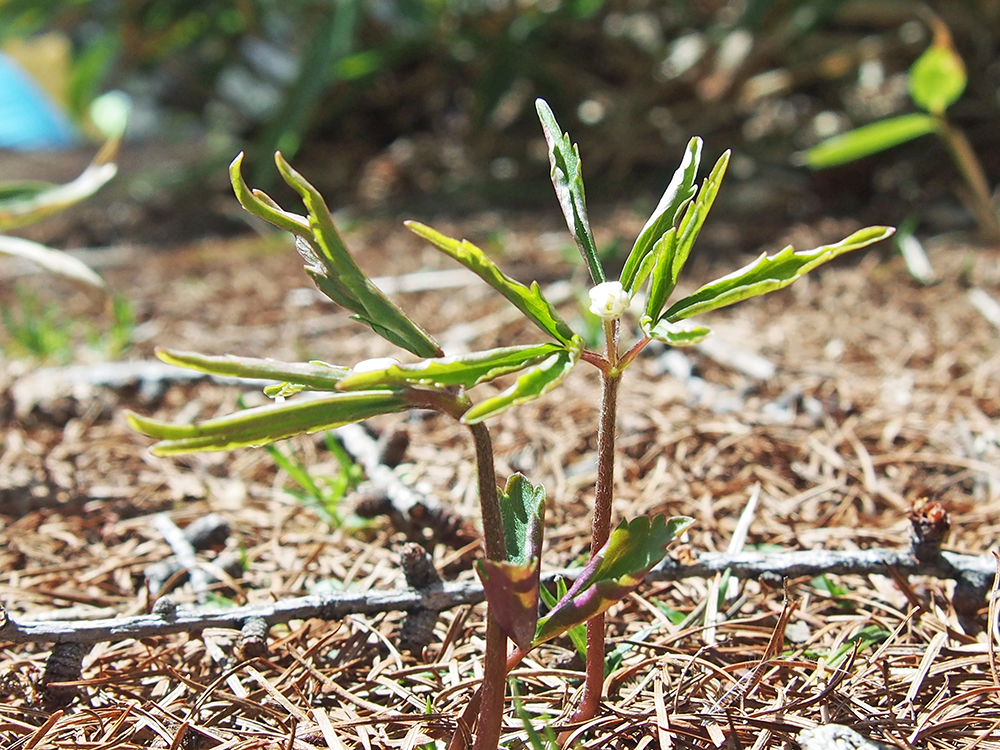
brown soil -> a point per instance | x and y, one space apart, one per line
884 392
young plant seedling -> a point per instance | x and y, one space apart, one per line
512 517
936 80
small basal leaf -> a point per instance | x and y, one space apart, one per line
567 179
681 333
314 375
868 140
522 508
528 300
267 424
511 586
937 78
617 569
680 189
533 384
512 594
768 273
466 370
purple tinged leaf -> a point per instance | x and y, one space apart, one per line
511 586
618 568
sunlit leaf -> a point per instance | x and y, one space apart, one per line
937 78
665 216
567 179
576 634
534 383
29 202
869 139
51 260
511 586
466 370
529 300
681 333
694 217
329 263
767 274
314 375
633 548
267 424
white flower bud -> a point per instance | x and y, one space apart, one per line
608 300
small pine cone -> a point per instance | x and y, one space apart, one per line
65 664
447 526
253 638
369 504
418 567
930 524
393 446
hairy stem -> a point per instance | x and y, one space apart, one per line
601 530
495 659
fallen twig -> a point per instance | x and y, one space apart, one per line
971 571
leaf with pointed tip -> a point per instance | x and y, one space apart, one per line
528 300
567 179
329 263
511 586
316 376
23 203
267 424
767 274
465 370
53 261
868 139
618 568
682 333
534 383
680 190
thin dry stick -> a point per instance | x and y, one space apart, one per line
977 571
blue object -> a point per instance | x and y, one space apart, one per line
29 119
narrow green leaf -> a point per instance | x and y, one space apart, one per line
767 274
662 282
529 301
680 189
466 370
694 218
533 384
51 260
682 333
267 424
617 569
315 375
868 139
29 202
937 78
261 205
512 586
329 263
567 179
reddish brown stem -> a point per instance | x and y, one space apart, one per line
604 494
